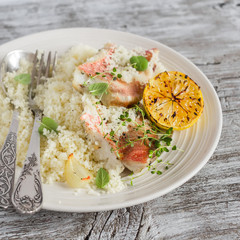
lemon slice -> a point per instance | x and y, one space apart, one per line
173 99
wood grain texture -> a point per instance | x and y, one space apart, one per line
208 33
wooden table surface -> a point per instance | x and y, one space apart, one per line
208 33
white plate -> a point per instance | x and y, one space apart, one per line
198 142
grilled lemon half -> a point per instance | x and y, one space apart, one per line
173 99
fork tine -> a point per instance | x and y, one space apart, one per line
34 73
34 64
40 70
41 67
54 63
47 71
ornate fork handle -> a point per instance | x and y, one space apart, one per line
27 196
7 163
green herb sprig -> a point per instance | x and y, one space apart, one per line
115 74
24 78
158 140
161 140
102 178
97 89
140 63
49 124
104 74
153 168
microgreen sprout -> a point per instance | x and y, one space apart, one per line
149 134
105 74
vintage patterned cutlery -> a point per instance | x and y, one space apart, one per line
10 63
27 196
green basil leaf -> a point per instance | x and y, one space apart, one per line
49 124
139 62
23 78
98 88
102 178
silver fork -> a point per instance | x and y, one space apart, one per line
27 196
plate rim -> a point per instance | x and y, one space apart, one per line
173 186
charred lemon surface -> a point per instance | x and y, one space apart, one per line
173 99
